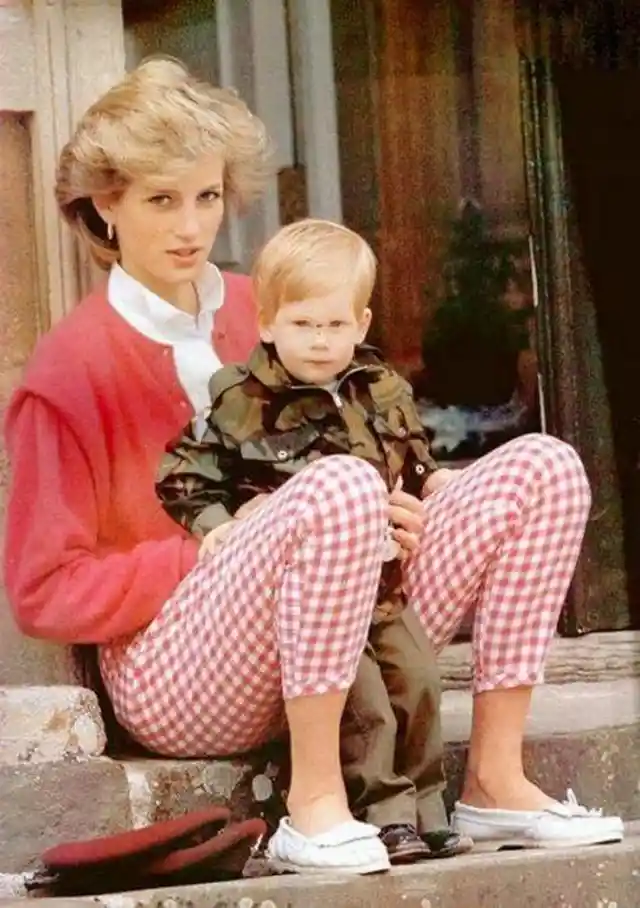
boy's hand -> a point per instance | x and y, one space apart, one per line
438 480
214 537
252 505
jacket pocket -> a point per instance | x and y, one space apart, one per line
281 448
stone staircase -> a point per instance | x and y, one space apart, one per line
584 732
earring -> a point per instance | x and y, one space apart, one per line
110 231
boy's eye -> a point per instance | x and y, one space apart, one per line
301 323
337 324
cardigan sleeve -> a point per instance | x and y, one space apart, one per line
60 585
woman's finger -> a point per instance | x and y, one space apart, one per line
406 501
408 542
408 520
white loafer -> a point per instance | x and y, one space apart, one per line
561 825
351 847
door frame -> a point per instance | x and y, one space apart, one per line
57 57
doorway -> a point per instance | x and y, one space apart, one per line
600 116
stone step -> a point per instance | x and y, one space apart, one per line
592 658
583 736
580 735
43 724
46 803
598 877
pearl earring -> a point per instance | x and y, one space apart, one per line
110 231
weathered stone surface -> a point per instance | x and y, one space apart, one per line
602 767
47 803
594 657
11 887
161 789
599 877
42 724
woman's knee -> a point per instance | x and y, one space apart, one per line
555 463
345 482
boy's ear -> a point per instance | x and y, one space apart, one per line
364 323
266 334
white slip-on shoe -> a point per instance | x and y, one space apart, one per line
561 825
351 847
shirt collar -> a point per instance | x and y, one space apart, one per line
153 316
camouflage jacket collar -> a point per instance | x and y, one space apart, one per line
265 366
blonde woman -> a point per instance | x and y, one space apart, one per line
209 652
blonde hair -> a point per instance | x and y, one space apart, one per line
312 258
157 118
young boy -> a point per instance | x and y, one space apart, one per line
310 389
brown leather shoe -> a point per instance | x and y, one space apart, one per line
403 844
443 843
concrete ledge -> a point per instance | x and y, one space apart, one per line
47 803
598 877
42 724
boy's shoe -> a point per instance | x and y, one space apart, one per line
351 847
443 843
403 844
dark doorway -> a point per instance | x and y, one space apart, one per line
600 117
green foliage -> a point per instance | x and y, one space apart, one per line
476 273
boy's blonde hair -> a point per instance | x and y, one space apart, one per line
312 258
158 119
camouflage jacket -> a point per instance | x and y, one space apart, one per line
263 428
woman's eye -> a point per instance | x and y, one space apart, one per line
161 200
212 195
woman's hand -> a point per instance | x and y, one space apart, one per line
407 518
219 534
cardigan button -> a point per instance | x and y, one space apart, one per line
282 455
420 469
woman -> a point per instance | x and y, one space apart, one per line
208 653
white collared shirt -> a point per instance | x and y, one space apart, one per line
190 337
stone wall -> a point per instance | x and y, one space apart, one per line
21 661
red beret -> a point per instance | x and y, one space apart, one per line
150 840
202 846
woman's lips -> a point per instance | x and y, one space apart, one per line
186 256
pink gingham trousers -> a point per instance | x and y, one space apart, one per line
282 608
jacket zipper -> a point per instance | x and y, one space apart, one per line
338 401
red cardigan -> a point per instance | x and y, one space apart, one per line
90 555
